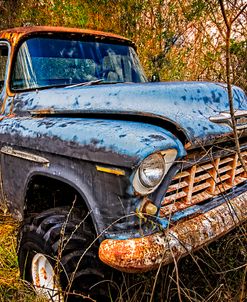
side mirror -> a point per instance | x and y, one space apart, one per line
155 77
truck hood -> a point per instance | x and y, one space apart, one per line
187 106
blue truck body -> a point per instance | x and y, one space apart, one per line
94 138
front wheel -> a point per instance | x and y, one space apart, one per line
57 253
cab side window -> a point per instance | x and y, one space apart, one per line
3 64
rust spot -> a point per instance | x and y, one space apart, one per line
43 272
37 280
43 111
188 145
11 115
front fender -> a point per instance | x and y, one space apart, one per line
73 148
121 143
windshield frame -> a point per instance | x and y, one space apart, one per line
6 44
75 37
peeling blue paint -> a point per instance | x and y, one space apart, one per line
169 101
132 139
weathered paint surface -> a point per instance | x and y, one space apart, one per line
113 142
165 101
143 254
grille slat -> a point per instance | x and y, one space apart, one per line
222 178
201 187
177 186
224 169
182 174
201 196
173 197
226 160
201 182
222 188
202 177
204 168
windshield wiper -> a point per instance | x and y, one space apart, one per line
89 83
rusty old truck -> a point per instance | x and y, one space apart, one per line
106 170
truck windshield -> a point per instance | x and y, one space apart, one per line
43 62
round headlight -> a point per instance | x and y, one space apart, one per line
152 170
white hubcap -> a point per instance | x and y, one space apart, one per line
44 278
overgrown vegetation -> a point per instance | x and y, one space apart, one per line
216 273
179 39
12 288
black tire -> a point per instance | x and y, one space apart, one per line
63 236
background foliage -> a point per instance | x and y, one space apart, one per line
179 39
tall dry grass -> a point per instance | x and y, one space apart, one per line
217 273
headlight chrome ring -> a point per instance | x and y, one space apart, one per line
152 170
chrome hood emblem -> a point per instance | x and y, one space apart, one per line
225 118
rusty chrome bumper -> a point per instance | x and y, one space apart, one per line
146 253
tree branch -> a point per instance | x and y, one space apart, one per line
229 85
223 11
239 13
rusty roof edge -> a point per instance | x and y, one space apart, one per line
19 32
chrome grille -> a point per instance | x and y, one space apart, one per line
203 181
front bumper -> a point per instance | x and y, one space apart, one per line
146 253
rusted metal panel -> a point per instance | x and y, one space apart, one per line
202 182
143 254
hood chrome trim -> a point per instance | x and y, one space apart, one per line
225 117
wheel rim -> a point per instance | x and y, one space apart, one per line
44 278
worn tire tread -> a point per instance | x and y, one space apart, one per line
48 225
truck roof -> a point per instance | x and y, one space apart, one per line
13 35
